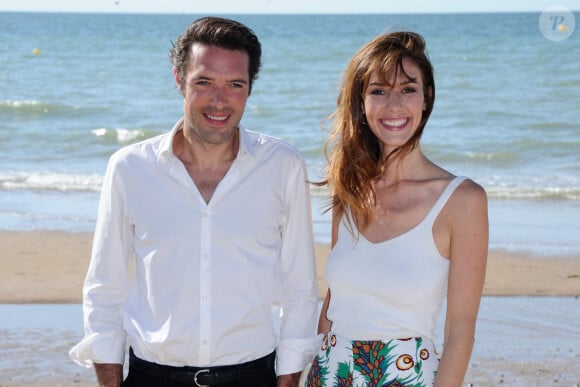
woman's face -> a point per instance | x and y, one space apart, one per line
394 109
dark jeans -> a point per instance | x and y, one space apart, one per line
263 377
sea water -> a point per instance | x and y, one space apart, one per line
76 87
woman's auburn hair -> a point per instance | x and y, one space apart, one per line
352 150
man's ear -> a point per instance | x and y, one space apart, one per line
177 80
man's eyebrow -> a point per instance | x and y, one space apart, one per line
245 82
206 78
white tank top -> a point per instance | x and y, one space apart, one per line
391 289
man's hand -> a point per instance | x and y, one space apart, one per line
290 380
109 375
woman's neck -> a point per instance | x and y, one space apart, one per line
412 166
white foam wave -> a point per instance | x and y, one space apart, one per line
17 104
80 182
504 192
534 193
50 182
119 135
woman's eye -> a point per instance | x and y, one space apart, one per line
377 92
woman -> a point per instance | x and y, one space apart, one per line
406 233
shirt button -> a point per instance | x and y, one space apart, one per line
204 342
204 300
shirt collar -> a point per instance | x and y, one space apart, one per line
246 146
166 149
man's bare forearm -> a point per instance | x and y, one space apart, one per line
290 380
109 375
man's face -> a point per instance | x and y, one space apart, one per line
217 86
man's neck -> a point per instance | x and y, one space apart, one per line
207 164
203 154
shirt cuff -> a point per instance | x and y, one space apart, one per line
99 348
293 355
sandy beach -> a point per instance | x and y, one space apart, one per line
49 267
41 267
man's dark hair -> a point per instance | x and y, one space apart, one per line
220 32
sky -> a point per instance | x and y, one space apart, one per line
283 6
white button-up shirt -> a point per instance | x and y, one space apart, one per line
187 282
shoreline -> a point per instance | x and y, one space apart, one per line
50 266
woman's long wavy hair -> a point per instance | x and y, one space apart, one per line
353 151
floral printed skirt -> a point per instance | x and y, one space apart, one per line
342 362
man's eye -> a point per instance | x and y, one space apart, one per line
409 90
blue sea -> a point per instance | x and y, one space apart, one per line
74 88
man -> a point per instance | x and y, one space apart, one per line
216 222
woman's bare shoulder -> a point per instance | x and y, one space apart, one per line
470 190
469 199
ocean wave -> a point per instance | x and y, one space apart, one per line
50 182
27 106
519 152
121 135
500 192
534 193
446 154
92 183
33 108
489 156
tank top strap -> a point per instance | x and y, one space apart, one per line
443 198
